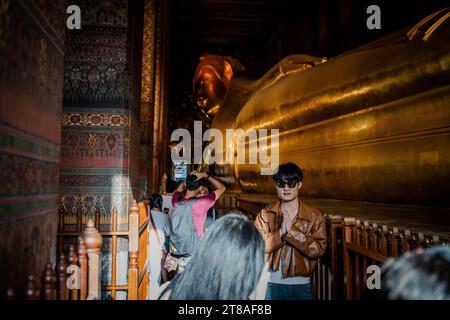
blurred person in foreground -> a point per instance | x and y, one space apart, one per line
228 264
420 275
158 244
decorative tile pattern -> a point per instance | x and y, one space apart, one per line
88 144
95 73
148 54
95 85
95 119
99 44
23 176
30 61
104 12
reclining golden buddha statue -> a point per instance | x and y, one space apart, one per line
372 124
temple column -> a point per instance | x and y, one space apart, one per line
160 102
147 96
164 132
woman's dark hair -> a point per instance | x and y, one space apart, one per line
226 265
171 185
418 276
192 183
156 201
207 184
288 172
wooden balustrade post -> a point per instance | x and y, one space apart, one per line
375 238
395 242
356 260
435 240
61 271
10 294
358 233
366 245
422 241
406 243
133 247
31 291
114 253
82 255
336 245
97 218
366 236
384 240
349 224
60 228
93 242
72 260
49 283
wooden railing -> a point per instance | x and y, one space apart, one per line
226 202
137 235
353 246
138 276
83 265
368 244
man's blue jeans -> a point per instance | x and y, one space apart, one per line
276 291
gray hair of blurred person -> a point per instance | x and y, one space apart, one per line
418 275
226 265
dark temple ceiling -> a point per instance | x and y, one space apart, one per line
227 21
319 26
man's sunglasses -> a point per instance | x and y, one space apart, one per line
291 184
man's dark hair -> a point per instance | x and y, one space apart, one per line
192 183
156 201
233 251
288 172
418 276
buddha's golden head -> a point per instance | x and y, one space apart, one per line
212 80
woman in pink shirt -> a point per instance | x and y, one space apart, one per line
182 240
202 203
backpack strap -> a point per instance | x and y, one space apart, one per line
154 228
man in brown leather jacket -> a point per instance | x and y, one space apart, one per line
295 237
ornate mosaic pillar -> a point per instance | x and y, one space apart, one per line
147 96
160 102
101 111
31 78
